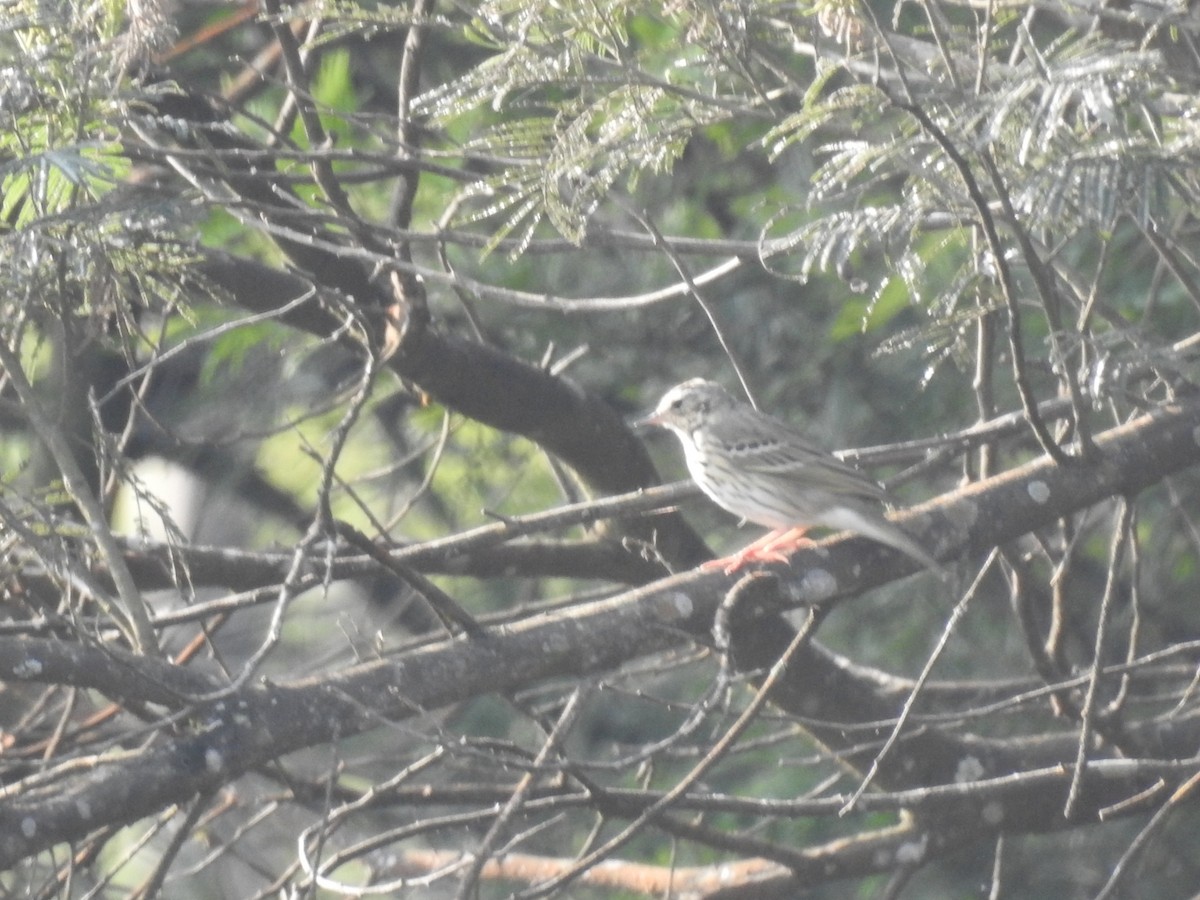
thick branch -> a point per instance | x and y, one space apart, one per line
267 721
491 387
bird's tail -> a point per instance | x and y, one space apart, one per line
880 529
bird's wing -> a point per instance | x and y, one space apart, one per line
814 467
788 456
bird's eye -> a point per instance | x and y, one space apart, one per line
678 404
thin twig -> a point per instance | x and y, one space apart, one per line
910 701
134 617
802 636
701 300
1182 793
1086 724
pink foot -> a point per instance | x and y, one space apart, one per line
768 548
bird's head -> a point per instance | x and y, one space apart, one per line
685 407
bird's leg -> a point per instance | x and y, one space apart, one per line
765 549
784 539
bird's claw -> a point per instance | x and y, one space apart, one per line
767 549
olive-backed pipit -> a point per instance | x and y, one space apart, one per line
758 468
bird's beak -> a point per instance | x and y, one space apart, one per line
644 423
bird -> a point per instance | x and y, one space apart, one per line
764 471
